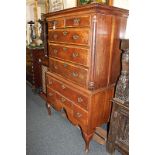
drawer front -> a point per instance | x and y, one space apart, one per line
56 23
74 73
38 56
78 36
63 101
74 96
50 96
80 115
78 21
75 55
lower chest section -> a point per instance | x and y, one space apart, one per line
83 108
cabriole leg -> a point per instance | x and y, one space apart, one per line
48 108
87 138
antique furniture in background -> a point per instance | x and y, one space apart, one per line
118 136
34 60
29 68
84 63
32 34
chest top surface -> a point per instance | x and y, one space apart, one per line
91 8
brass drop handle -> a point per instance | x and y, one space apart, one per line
63 99
50 94
63 87
76 21
39 60
54 23
79 100
75 37
75 74
75 54
78 114
55 51
65 33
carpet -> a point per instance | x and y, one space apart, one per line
53 135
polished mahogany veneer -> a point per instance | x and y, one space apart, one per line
84 62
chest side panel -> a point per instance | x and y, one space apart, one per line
110 29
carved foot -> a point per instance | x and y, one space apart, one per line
48 108
87 138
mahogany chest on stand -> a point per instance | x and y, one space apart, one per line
84 63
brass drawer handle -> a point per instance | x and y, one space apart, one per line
76 21
50 94
56 67
55 51
62 86
78 115
65 65
75 54
75 74
65 33
75 37
39 60
65 48
79 100
54 22
63 99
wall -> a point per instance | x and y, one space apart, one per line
29 13
122 4
69 3
125 5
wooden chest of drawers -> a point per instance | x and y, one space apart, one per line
84 62
34 60
29 73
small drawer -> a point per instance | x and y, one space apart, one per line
80 115
55 23
73 36
72 54
63 101
38 58
78 21
74 73
50 96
